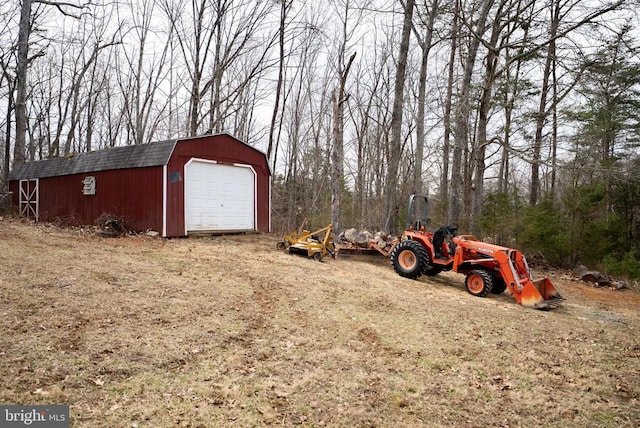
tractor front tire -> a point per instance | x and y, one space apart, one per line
409 259
479 282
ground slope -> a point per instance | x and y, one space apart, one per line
228 331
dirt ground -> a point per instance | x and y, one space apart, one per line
227 331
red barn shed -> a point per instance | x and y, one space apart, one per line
208 184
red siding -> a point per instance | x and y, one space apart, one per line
221 148
135 194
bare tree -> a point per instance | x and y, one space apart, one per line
448 103
21 82
77 81
427 21
500 22
284 8
339 98
6 76
477 26
216 39
143 72
395 145
303 126
369 115
542 110
513 88
25 26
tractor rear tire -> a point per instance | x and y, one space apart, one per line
409 259
479 282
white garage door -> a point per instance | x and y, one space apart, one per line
218 197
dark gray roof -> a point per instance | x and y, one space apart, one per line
137 156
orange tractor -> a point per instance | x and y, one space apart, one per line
488 268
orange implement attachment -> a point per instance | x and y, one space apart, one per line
539 294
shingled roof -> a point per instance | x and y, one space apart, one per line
136 156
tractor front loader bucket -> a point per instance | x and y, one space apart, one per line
540 294
530 293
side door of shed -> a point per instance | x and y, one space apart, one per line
29 198
219 197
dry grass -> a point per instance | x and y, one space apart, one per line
227 331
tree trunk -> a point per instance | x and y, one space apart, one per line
541 117
337 153
554 125
337 159
425 44
491 63
7 145
276 107
463 108
194 102
395 145
216 116
21 82
444 178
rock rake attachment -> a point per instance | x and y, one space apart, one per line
316 244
